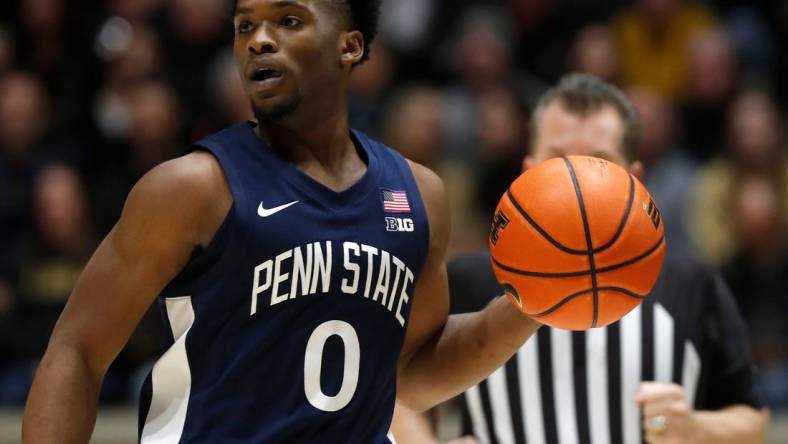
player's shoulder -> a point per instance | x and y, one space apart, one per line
189 192
430 184
194 175
433 194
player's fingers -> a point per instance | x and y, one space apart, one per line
650 391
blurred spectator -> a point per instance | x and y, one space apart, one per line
482 59
131 55
541 32
54 45
751 38
652 37
62 245
369 87
758 275
154 138
669 171
136 11
49 268
7 51
197 30
23 125
404 24
711 82
43 22
414 126
755 146
593 52
233 104
502 139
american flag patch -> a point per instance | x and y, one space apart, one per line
395 201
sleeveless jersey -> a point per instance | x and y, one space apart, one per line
287 328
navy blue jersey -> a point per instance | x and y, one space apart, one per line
287 328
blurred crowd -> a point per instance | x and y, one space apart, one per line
94 94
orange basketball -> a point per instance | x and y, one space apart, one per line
577 242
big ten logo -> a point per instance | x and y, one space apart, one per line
402 224
500 221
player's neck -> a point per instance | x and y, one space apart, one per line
321 147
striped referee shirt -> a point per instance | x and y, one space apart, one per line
579 387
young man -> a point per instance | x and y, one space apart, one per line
299 265
674 370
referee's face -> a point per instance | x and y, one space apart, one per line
561 132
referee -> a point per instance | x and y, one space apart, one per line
686 339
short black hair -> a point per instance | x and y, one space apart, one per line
363 16
583 93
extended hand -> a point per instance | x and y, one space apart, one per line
667 416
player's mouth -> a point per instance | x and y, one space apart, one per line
265 78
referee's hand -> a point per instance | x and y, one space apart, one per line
667 416
464 440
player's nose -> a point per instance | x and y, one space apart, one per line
263 41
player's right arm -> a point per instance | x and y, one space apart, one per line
172 210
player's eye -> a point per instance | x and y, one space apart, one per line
290 22
244 27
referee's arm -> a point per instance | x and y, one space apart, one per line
734 424
734 412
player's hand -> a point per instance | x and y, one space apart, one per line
667 416
464 440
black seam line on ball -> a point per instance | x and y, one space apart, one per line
565 300
541 230
589 242
564 248
624 218
582 272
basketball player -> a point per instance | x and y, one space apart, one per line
674 370
299 266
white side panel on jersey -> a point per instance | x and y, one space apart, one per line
474 400
390 436
630 375
690 372
596 365
171 380
499 402
564 386
531 391
664 330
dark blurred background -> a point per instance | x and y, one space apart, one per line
94 94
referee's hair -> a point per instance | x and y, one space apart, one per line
363 15
582 94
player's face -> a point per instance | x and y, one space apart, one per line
563 133
287 50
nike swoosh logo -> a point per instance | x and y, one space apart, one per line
263 212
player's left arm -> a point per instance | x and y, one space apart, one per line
735 412
443 355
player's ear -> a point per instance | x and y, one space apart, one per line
351 47
528 163
636 169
